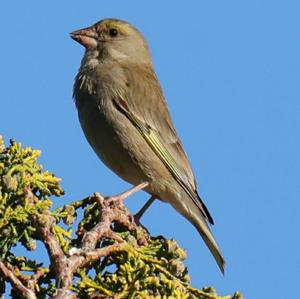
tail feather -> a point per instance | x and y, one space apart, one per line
204 208
206 234
191 211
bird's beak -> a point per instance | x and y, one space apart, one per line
86 37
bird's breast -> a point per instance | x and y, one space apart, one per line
111 139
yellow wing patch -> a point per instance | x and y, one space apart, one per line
164 155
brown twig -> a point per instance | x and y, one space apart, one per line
112 209
16 283
32 282
94 255
45 224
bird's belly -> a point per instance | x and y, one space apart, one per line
121 148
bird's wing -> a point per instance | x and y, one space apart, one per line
151 118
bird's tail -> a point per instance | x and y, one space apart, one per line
191 212
201 225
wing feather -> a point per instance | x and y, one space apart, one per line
153 121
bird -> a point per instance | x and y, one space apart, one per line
125 118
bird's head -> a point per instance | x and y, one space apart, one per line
113 39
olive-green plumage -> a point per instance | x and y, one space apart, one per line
125 118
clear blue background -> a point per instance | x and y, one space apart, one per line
230 71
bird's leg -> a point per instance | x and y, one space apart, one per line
130 192
142 211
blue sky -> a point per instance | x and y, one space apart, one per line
230 71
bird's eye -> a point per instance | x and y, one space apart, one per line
113 32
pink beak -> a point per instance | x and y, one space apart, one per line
86 37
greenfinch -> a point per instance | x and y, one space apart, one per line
125 118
